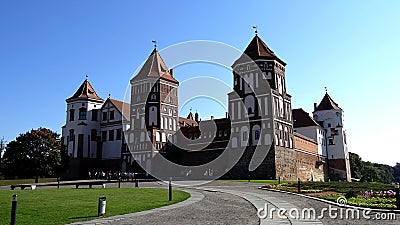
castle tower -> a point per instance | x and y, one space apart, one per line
154 109
330 116
269 113
81 131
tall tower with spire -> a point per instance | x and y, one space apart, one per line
331 117
268 113
154 108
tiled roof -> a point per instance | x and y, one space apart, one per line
155 67
257 49
327 103
302 119
85 91
185 122
305 137
122 107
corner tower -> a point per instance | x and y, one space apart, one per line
330 116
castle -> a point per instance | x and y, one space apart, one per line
274 140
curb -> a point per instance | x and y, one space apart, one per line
332 203
194 197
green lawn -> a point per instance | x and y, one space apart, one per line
60 206
26 181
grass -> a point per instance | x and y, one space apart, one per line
26 181
61 206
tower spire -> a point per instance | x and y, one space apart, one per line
155 44
255 30
326 90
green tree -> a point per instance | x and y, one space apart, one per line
396 172
35 153
356 166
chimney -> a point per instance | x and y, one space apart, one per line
315 106
171 71
212 117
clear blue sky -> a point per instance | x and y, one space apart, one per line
352 47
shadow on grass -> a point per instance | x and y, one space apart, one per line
83 217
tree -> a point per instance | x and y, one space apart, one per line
396 172
356 166
35 153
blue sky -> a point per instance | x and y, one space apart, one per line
352 47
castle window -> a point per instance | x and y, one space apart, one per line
104 136
153 97
82 114
257 135
71 135
329 125
93 134
71 114
331 142
111 115
119 134
111 135
94 114
105 116
244 137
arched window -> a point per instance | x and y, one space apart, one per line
249 103
153 112
244 131
256 134
153 97
234 142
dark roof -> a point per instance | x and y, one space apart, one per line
85 91
327 103
156 68
257 49
302 119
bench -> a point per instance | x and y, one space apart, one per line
23 186
90 184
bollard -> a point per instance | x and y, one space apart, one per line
279 180
397 195
136 183
119 181
101 210
298 185
14 210
58 182
170 190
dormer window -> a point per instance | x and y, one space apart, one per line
82 114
